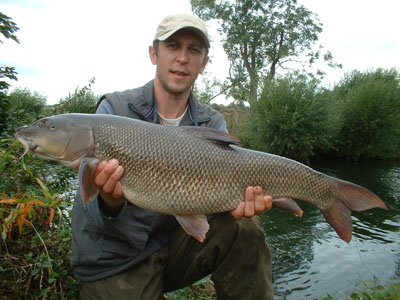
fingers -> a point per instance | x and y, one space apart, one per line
262 202
117 192
256 202
249 208
107 177
239 211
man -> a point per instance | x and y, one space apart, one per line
121 251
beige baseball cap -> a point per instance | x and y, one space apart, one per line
173 23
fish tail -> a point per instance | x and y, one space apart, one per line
349 197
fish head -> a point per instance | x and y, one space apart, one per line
61 138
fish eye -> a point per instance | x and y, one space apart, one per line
53 127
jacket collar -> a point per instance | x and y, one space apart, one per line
145 106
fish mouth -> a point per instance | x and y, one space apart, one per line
27 143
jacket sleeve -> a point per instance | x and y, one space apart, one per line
132 224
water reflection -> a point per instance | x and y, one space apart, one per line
310 260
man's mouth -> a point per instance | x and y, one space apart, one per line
179 73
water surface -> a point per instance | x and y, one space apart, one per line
310 260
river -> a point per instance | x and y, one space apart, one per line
310 260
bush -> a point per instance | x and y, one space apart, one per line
21 106
369 112
290 119
35 208
35 227
80 101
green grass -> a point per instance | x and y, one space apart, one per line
372 290
201 290
365 290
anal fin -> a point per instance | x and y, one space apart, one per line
194 225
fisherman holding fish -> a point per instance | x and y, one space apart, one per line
126 243
121 251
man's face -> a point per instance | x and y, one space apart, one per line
179 59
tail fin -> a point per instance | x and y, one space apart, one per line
349 197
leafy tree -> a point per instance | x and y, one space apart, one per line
8 28
261 36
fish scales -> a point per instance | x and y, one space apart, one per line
191 175
188 171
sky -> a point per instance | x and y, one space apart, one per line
65 43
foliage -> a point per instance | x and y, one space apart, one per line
372 290
81 101
4 111
24 107
368 108
201 290
290 119
7 72
35 227
208 89
8 28
35 208
259 37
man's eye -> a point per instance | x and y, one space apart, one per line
172 46
195 49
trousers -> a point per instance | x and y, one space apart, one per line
235 253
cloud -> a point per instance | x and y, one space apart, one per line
65 43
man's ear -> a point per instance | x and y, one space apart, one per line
204 64
153 55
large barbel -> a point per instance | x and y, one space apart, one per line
187 171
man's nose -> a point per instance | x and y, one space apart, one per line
183 56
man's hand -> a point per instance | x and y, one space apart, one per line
255 203
107 178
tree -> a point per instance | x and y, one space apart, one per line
8 29
261 36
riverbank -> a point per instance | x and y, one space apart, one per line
375 290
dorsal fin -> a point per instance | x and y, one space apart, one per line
213 135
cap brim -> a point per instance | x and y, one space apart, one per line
168 34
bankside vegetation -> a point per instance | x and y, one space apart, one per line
359 119
35 206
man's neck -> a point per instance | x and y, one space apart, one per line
170 106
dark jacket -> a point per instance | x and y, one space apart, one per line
103 246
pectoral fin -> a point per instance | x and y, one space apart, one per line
88 189
194 225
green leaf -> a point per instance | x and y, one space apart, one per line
35 271
44 292
47 264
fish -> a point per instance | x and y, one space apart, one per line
188 171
